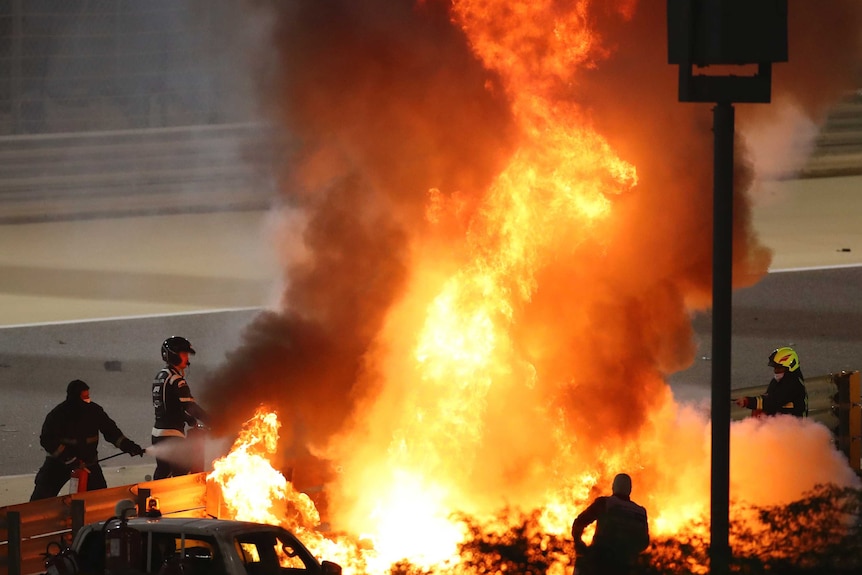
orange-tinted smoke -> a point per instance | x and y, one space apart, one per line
381 101
384 101
825 55
619 310
825 66
633 99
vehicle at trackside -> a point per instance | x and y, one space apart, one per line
190 546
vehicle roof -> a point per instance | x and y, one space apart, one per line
195 525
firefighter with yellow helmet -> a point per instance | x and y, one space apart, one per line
786 393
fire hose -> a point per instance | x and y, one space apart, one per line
79 476
112 456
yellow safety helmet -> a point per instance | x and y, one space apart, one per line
784 357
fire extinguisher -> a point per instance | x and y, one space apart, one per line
80 475
78 480
122 544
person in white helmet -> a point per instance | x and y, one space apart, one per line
174 407
622 532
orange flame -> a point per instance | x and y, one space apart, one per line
249 484
469 416
468 366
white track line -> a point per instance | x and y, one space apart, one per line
228 310
815 268
128 317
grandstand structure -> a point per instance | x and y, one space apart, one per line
838 148
126 107
130 107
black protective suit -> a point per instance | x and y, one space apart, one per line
785 396
174 408
70 435
622 532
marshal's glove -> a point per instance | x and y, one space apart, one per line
742 402
132 448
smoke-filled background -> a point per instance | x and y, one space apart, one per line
498 226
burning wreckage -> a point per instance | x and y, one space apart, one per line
503 240
255 521
498 230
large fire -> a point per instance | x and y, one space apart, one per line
510 349
253 490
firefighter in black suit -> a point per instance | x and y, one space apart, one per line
786 393
70 435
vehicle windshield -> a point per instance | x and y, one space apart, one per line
153 553
192 554
272 552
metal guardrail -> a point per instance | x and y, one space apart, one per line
835 400
821 392
27 529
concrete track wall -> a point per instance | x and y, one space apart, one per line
135 172
838 148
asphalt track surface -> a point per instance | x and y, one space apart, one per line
66 316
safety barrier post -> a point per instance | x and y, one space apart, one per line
850 417
13 526
143 495
79 511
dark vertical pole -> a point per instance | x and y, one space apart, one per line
15 72
79 515
722 271
143 495
13 530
